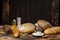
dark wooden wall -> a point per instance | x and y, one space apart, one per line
55 12
0 12
32 10
5 12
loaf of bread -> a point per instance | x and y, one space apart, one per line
53 30
5 29
43 24
27 28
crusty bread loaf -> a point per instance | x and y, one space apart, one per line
5 29
44 24
27 28
52 30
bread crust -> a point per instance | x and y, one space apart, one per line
27 28
53 30
44 24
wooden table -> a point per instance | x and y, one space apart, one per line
30 37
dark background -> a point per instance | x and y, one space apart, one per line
0 11
31 11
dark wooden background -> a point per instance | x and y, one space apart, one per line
0 11
31 11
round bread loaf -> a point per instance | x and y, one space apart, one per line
43 24
27 28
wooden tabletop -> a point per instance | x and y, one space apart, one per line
30 37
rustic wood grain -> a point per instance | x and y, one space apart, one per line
5 11
55 12
30 37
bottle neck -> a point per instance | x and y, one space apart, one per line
14 22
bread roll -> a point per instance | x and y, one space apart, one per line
52 30
2 31
44 24
5 29
15 31
27 28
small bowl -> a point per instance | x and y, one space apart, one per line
38 34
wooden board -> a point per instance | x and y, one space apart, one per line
30 37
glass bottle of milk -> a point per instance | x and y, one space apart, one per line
19 22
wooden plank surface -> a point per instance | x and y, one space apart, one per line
30 37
